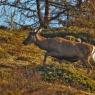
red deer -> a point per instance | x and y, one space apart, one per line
62 49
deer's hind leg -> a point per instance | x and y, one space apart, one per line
85 60
87 64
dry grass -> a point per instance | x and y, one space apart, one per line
21 72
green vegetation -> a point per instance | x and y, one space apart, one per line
21 71
71 77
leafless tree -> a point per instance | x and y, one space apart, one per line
48 13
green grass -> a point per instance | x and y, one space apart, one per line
53 72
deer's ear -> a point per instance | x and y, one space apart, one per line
35 30
40 30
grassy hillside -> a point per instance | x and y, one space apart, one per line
21 71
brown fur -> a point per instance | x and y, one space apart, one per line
60 47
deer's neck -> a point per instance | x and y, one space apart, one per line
39 40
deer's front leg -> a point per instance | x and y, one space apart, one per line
45 57
49 54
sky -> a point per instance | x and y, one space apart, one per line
6 18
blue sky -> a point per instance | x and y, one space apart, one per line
4 19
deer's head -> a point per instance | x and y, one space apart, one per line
31 36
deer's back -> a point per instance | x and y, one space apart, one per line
60 45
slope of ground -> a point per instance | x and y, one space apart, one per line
21 71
